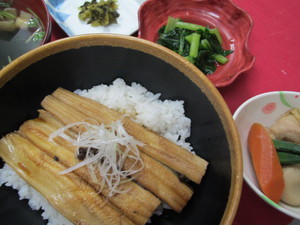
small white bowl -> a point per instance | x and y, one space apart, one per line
265 109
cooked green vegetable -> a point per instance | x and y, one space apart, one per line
286 146
34 20
38 36
206 45
7 15
171 24
195 42
102 13
198 44
288 158
288 152
189 26
216 32
220 58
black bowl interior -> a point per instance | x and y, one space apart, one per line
88 66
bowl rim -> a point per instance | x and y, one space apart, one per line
246 48
222 82
48 26
188 69
247 179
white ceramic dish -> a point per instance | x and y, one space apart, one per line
65 13
265 109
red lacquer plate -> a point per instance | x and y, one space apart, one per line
234 24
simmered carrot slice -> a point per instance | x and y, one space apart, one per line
266 162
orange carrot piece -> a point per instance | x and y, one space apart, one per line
266 162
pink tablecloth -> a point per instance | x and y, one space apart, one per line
275 43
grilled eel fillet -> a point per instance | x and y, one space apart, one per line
68 193
155 177
163 150
136 203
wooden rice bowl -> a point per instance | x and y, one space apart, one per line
88 60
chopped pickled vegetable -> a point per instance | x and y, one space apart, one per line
102 13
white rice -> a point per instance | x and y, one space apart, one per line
164 117
10 178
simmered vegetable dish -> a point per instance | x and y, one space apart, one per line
275 154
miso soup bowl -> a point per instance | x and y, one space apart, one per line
22 39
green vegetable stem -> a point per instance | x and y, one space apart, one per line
220 58
288 158
171 24
195 43
288 152
8 15
189 26
286 146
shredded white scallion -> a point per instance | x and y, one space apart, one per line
107 148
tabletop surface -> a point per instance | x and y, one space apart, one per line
274 41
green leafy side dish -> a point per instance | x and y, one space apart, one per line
200 45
